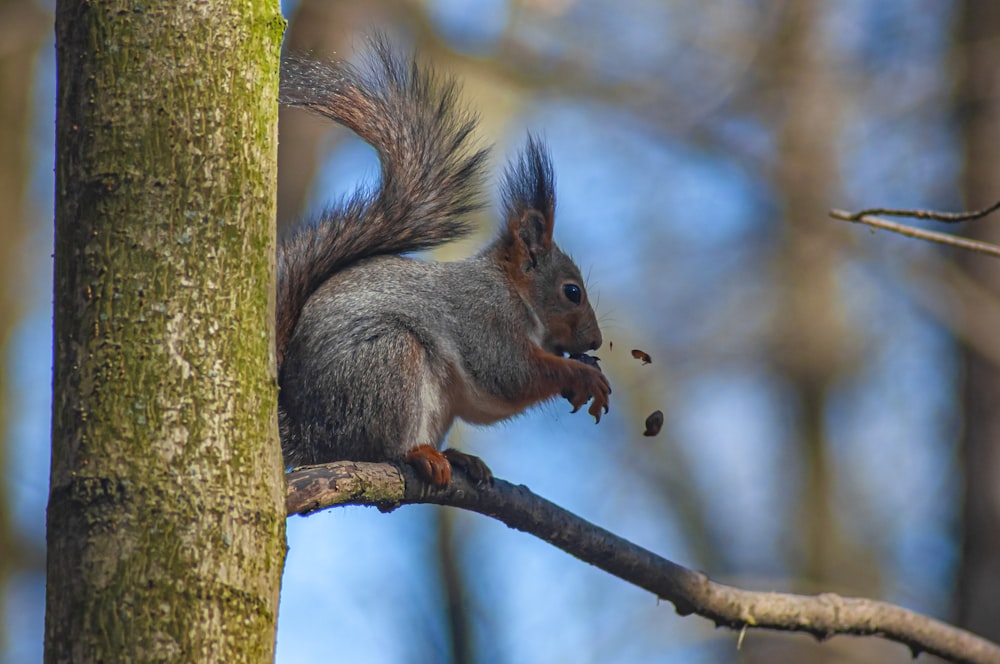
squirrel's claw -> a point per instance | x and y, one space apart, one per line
570 396
596 409
589 385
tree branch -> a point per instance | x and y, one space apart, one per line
948 217
864 217
388 486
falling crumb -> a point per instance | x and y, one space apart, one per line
653 423
641 355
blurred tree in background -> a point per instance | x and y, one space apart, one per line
829 393
977 113
23 28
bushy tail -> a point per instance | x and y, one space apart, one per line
430 174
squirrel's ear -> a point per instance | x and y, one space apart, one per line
530 238
529 203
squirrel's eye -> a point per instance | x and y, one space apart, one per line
573 293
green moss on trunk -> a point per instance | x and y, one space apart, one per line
166 508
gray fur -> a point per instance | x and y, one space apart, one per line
379 354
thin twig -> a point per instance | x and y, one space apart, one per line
931 236
389 486
948 217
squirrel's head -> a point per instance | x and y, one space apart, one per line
545 277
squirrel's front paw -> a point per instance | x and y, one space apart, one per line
589 383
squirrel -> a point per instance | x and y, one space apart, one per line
379 353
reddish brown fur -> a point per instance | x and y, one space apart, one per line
576 381
430 464
516 258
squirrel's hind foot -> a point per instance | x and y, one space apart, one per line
431 465
474 467
434 467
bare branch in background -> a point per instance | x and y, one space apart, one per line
388 486
948 217
867 218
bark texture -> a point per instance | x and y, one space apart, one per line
165 519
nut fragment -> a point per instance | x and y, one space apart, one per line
653 423
586 359
641 355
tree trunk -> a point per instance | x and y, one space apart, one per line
166 509
979 117
810 336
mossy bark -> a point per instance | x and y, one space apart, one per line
166 509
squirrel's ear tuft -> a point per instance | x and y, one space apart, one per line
529 187
529 203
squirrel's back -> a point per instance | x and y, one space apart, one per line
430 174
